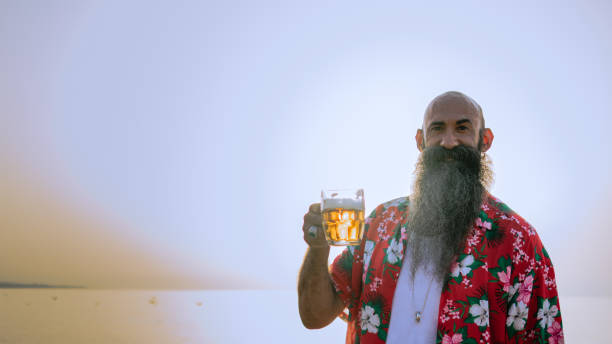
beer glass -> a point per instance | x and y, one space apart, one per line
343 213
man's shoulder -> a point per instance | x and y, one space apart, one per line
396 202
390 208
503 216
401 203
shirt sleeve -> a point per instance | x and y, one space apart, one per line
341 272
535 300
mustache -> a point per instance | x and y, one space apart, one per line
437 156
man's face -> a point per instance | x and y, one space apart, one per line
451 129
452 120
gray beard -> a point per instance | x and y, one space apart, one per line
445 203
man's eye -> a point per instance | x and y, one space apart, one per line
436 128
462 128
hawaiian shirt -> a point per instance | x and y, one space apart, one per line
500 289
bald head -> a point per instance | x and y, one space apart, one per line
454 102
452 119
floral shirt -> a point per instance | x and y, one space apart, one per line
500 289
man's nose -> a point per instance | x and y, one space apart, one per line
449 141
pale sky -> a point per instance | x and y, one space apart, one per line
178 146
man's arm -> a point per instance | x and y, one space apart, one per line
318 301
534 313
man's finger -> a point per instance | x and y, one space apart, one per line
312 219
315 208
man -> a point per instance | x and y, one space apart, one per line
451 264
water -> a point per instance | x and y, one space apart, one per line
156 316
204 316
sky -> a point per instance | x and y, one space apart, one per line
178 145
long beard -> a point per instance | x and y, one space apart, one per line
448 192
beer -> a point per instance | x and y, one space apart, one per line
343 218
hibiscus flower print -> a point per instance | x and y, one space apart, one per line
462 267
394 251
403 233
367 254
485 224
504 278
525 290
512 290
457 338
480 312
556 334
547 313
517 316
369 320
449 312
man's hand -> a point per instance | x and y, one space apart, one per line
318 302
313 233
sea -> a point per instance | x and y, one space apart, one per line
66 316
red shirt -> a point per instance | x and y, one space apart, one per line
500 289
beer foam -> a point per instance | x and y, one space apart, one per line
345 203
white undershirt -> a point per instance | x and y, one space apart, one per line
403 327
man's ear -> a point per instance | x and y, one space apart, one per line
420 140
487 140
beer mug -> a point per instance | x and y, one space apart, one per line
343 213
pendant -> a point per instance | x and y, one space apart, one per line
417 316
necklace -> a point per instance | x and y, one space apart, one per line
418 313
